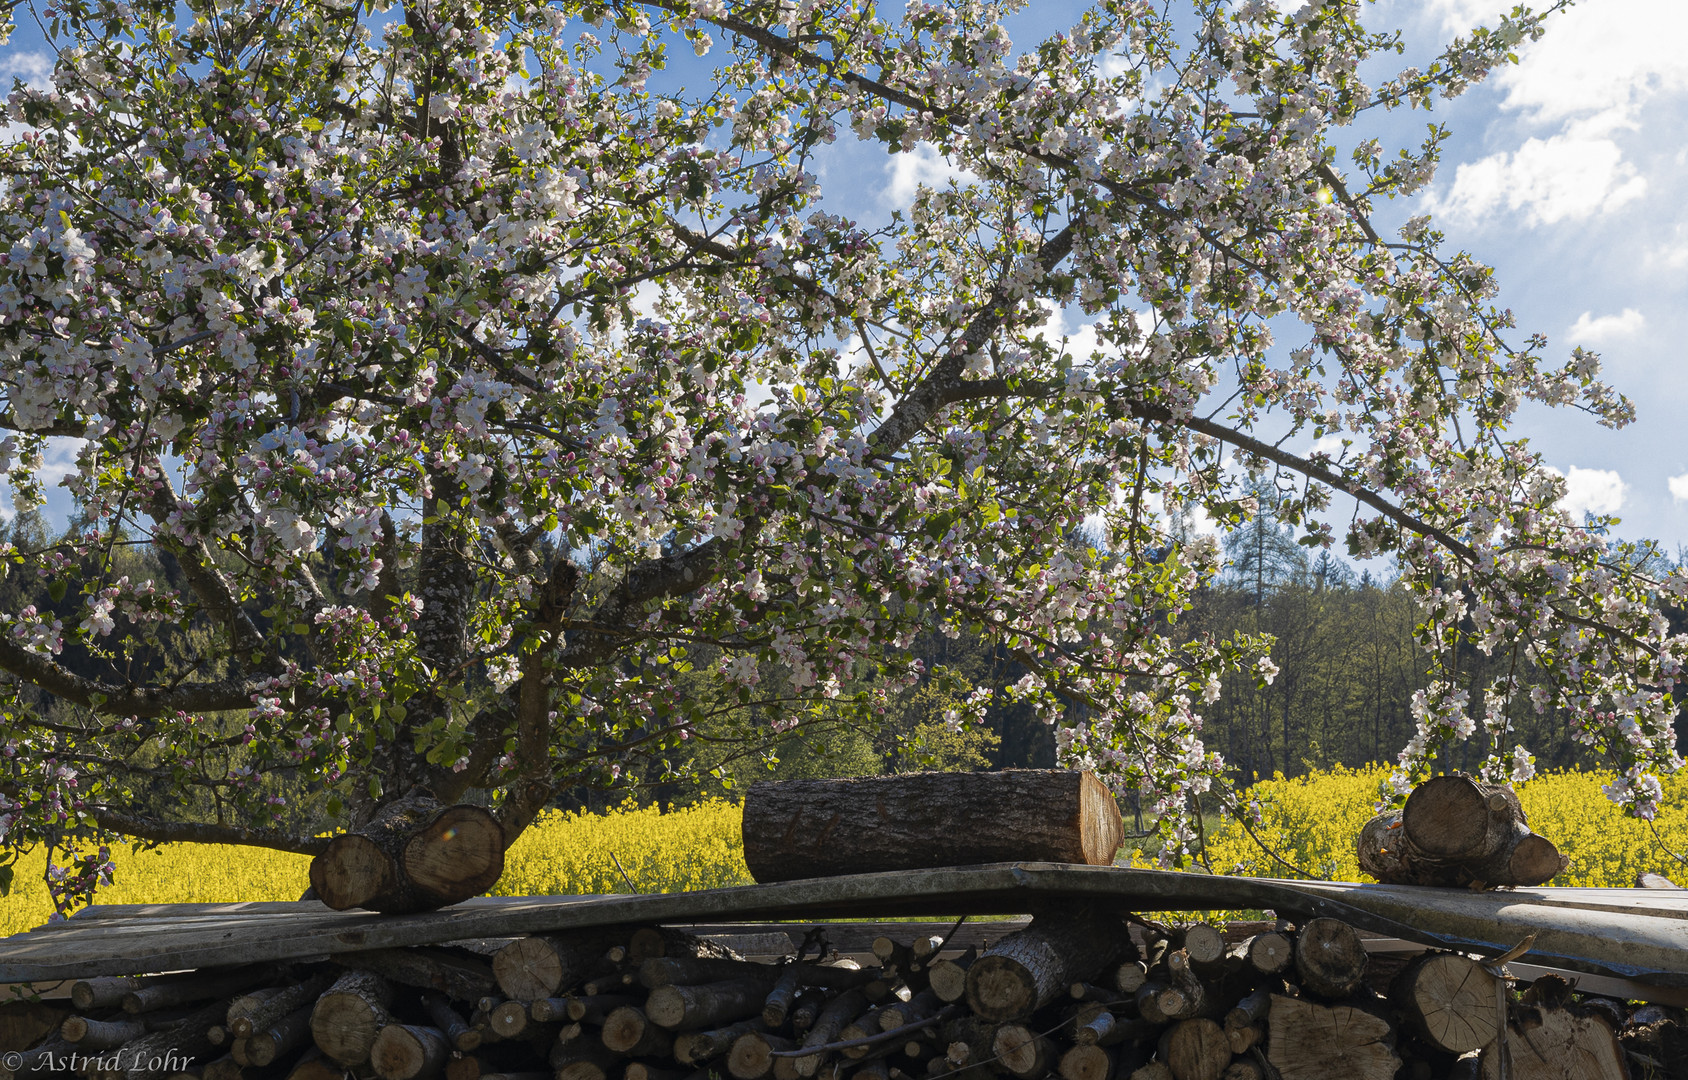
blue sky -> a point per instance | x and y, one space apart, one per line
1567 173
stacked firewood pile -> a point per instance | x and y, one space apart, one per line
1072 995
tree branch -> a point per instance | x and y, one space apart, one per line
194 833
104 698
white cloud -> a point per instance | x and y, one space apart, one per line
1591 491
1678 487
34 68
1572 175
921 166
1590 331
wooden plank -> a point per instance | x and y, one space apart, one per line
1570 933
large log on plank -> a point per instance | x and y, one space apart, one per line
415 855
1027 970
1315 1042
808 828
1457 832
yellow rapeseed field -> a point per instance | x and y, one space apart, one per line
570 854
1310 821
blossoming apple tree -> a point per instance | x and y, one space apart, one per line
484 340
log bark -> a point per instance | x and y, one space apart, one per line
777 1006
206 985
168 1050
1317 1042
89 1035
691 1007
106 991
409 1052
346 1019
1556 1044
462 1037
531 968
831 1020
1449 1000
1330 959
1195 1050
281 1038
594 1010
793 829
255 1012
1027 970
456 973
313 1064
900 1013
415 855
584 1062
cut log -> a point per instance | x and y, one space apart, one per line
256 1011
791 829
458 1033
1191 998
629 1031
531 968
464 1067
900 1013
1457 832
781 998
90 1035
807 1009
453 972
1022 1052
696 1047
1270 953
1317 1042
833 1017
593 1011
1204 945
1154 1070
408 1052
509 1019
585 1062
1645 880
1455 817
107 991
709 1005
313 1064
1243 1069
752 1055
1556 1044
415 855
286 1035
1027 970
206 985
346 1019
1130 976
1450 1001
169 1050
865 1026
1244 1039
639 1070
1195 1050
1087 1062
1330 959
1250 1010
948 978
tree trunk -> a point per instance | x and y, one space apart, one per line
1027 970
1450 1001
808 828
1315 1042
414 855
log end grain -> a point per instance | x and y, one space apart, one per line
352 872
459 854
1451 1000
1330 958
